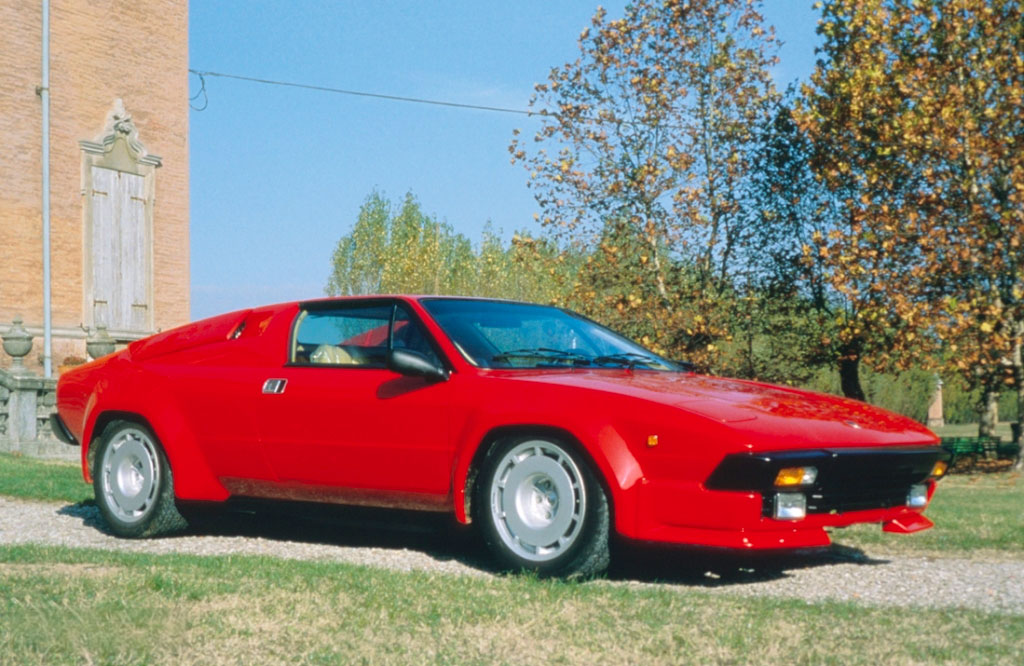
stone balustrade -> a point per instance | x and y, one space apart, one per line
26 402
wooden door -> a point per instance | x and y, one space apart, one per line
120 251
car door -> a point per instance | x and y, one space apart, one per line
212 383
335 418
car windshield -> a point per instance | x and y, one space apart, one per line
498 334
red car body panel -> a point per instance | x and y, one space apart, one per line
372 436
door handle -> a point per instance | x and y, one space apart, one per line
274 385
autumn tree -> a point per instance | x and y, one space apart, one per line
918 107
643 149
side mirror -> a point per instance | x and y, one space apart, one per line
415 364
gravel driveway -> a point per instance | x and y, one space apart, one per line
838 574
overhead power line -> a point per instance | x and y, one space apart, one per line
359 93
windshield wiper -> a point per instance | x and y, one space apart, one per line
544 354
629 359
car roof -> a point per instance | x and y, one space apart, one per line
408 297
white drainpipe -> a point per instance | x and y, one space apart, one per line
44 94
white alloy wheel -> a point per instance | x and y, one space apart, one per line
130 475
133 483
538 502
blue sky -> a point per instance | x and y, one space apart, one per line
278 174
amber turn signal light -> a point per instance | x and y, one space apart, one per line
939 470
796 476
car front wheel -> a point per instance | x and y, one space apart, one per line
133 483
541 509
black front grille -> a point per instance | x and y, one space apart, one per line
841 502
848 479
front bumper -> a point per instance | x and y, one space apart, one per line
733 508
855 479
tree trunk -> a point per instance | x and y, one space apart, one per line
849 376
651 238
989 413
658 275
751 370
1018 378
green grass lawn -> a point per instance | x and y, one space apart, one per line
63 606
971 430
43 480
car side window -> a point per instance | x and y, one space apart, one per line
355 336
409 334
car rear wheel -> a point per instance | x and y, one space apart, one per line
133 483
541 509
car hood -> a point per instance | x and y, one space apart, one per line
767 415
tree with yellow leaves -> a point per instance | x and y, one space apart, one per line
642 157
917 106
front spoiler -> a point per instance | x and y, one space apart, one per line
907 525
767 534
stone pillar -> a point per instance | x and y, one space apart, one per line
935 415
26 402
21 403
21 417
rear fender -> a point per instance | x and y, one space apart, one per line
126 399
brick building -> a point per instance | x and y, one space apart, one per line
119 169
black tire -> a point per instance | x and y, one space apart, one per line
133 482
540 508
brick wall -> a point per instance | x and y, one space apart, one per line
99 50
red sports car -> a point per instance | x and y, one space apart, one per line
546 429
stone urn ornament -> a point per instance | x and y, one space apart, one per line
99 343
17 343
